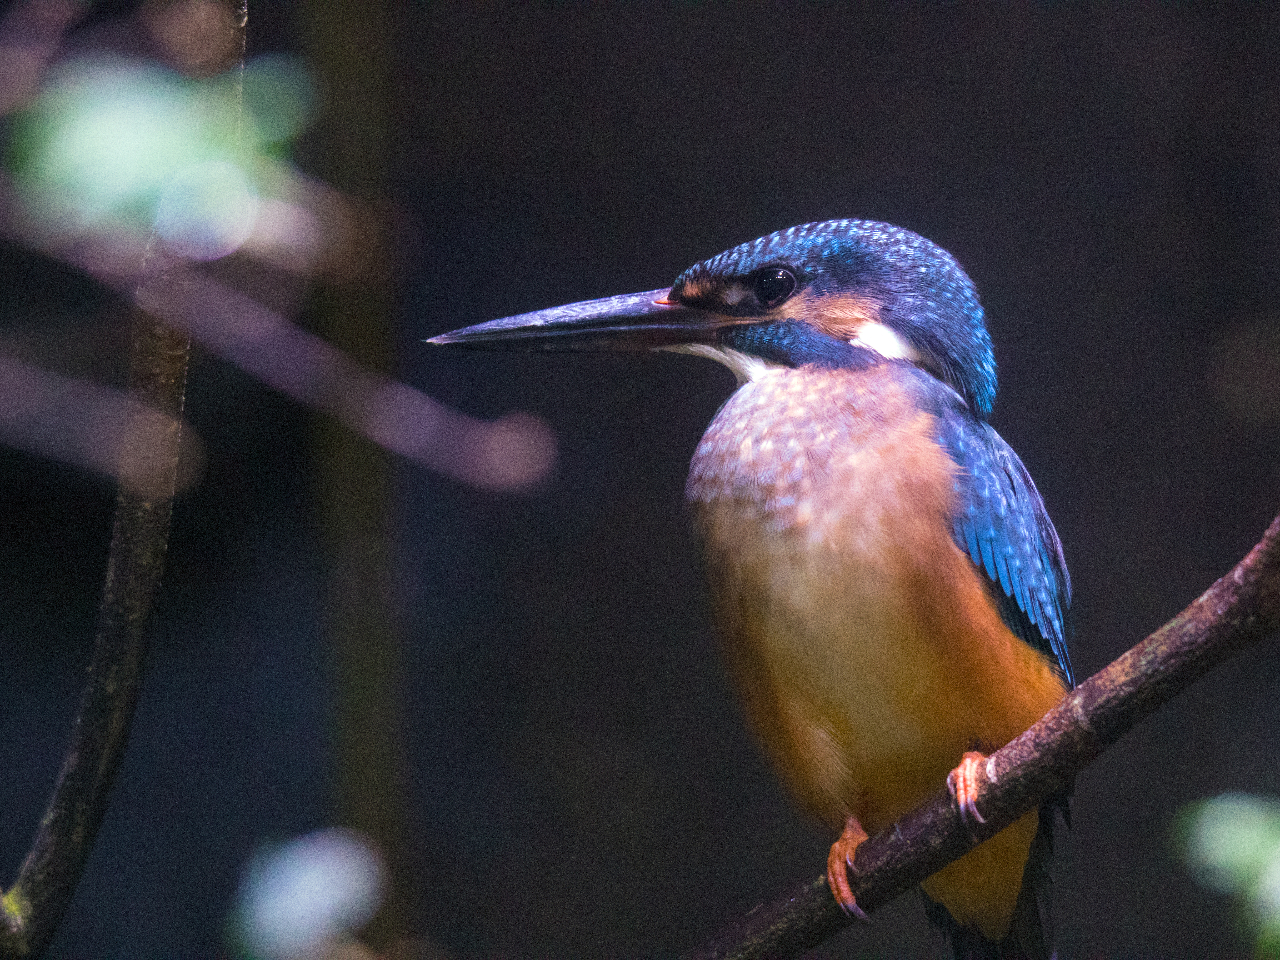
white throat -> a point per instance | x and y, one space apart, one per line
744 366
869 335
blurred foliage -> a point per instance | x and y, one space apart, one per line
1231 844
114 146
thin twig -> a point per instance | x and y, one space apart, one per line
1240 609
34 906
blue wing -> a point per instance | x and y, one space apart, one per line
1002 523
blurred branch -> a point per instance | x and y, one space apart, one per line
34 906
32 909
1240 609
513 453
348 43
92 427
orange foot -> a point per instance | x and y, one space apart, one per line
963 783
839 860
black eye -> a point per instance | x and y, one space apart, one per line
772 285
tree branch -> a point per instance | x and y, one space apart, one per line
1240 609
34 906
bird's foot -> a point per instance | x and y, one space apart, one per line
839 860
964 784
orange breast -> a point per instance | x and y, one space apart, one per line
865 643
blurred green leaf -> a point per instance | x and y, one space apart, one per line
114 146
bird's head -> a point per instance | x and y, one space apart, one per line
839 293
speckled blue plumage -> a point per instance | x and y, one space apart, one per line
919 287
794 343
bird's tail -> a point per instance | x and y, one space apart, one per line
1030 935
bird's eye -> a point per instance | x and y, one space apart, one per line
772 285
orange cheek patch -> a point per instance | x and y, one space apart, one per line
837 315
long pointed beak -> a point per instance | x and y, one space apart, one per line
633 321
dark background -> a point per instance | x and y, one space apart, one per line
581 782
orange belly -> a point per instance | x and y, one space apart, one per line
866 644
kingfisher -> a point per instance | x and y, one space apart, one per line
888 585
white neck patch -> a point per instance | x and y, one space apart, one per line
885 341
744 366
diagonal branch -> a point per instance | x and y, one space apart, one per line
1242 608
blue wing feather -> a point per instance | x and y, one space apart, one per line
988 558
967 533
1002 568
1002 524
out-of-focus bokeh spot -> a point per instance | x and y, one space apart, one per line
30 31
207 211
305 897
1231 840
279 93
113 149
514 453
1231 844
518 452
198 36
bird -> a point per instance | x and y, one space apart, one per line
890 591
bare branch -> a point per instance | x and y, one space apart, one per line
1240 609
34 906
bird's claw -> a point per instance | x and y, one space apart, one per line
964 784
839 860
